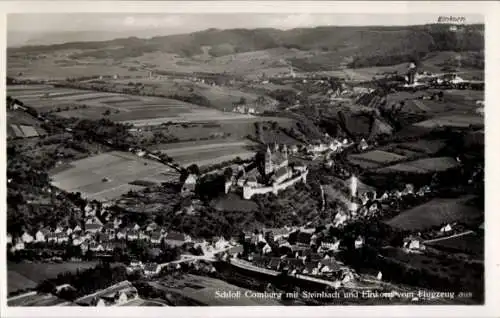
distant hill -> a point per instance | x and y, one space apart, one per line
361 46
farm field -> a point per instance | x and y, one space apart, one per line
456 102
120 169
220 97
28 275
232 128
427 165
23 125
471 243
199 116
208 153
459 121
428 147
56 66
435 213
136 110
364 164
375 158
419 148
249 64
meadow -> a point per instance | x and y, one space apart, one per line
436 213
204 153
377 156
136 110
454 121
107 176
427 165
23 125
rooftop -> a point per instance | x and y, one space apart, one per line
175 236
124 285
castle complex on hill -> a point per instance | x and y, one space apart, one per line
275 174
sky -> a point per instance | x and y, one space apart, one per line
109 25
180 22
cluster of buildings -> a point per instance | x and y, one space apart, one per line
245 109
270 173
300 251
116 295
307 251
97 237
315 150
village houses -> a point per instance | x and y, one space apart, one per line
27 238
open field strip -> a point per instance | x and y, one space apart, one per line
211 154
41 95
17 131
28 131
113 193
195 117
155 112
166 104
425 146
152 107
177 149
66 94
140 103
123 98
461 121
113 99
160 178
220 159
427 165
378 156
91 95
28 87
74 98
365 164
434 164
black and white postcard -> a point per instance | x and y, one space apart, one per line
312 158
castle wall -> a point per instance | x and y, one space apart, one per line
248 192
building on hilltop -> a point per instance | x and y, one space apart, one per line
275 173
274 160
